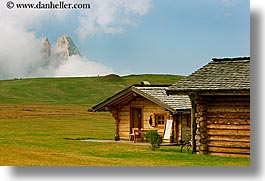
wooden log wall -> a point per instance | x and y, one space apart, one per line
117 122
223 125
148 108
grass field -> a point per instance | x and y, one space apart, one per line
72 91
43 120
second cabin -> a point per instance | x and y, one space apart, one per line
148 107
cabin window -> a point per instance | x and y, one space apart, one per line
160 119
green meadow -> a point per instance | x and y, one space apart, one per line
72 91
44 120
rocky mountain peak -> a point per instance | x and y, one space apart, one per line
67 46
46 48
56 55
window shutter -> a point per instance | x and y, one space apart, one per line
153 120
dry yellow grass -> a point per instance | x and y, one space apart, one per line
45 135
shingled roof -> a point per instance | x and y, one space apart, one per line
177 102
225 74
154 93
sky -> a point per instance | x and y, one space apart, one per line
126 36
258 9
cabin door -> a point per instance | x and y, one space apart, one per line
186 127
136 118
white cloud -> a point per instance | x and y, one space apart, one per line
20 47
228 14
77 66
229 3
19 50
111 16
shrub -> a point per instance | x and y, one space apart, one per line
154 139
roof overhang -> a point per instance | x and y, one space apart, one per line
208 92
107 104
126 96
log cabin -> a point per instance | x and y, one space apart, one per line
148 107
220 115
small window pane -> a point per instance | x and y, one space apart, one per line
160 119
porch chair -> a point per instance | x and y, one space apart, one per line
132 135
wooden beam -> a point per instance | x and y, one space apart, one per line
229 126
230 155
193 120
230 150
243 138
225 132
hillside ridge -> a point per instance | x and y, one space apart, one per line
73 91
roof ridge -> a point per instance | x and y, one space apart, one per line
230 59
151 85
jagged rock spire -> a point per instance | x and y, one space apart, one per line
46 48
67 46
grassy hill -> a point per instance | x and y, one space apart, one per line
46 127
72 91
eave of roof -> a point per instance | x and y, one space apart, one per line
110 99
154 100
134 89
209 92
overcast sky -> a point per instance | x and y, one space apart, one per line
129 36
